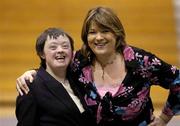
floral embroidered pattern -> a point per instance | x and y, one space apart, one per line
75 65
87 73
124 91
128 53
132 101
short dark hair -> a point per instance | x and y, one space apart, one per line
52 33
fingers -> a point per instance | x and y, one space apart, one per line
21 82
25 88
153 123
21 85
30 79
29 75
18 89
157 122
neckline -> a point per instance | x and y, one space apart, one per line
119 87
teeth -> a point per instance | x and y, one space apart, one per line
100 44
60 57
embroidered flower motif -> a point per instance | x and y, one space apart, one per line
146 59
93 95
87 73
137 55
86 77
177 80
173 69
124 91
136 106
142 95
156 61
83 79
98 117
128 53
119 110
89 101
75 65
143 71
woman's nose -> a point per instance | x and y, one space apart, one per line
59 49
99 36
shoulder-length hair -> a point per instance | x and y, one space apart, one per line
105 18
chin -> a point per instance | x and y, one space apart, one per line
100 52
60 65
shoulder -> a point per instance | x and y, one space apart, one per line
78 55
132 53
38 82
79 61
136 57
136 50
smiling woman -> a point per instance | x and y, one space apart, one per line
53 94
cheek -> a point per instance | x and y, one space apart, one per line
90 39
90 43
70 54
112 46
113 41
48 54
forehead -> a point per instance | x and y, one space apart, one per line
59 39
96 25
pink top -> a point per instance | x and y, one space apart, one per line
102 90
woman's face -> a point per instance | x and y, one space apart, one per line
101 41
57 52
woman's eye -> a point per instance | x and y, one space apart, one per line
53 47
65 46
91 32
105 31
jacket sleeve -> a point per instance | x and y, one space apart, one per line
168 77
26 110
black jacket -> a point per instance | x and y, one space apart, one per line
49 104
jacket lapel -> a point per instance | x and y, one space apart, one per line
57 89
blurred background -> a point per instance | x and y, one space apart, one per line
153 25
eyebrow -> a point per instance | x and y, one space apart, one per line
62 42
